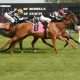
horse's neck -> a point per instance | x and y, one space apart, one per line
69 18
60 25
67 21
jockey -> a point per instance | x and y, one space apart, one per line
19 15
63 11
14 16
45 17
56 15
60 14
8 16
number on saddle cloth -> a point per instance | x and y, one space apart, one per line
39 28
35 26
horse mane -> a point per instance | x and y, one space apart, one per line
70 13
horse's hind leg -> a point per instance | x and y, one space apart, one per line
3 50
8 42
21 44
12 44
33 43
43 40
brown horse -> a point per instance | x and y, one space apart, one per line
60 30
56 30
5 30
69 19
21 31
35 39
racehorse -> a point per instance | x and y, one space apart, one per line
5 31
69 19
35 39
60 30
25 29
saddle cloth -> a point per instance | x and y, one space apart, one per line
38 27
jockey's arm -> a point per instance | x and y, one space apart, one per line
42 18
11 12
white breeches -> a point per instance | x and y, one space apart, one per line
55 14
9 17
42 18
21 18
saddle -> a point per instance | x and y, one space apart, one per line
20 21
13 25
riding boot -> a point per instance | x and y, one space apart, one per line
45 27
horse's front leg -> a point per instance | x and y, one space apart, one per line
21 44
53 38
43 40
73 45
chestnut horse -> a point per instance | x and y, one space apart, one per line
56 30
5 30
69 19
15 33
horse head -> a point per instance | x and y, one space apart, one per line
71 17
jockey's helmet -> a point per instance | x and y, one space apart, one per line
45 13
20 11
